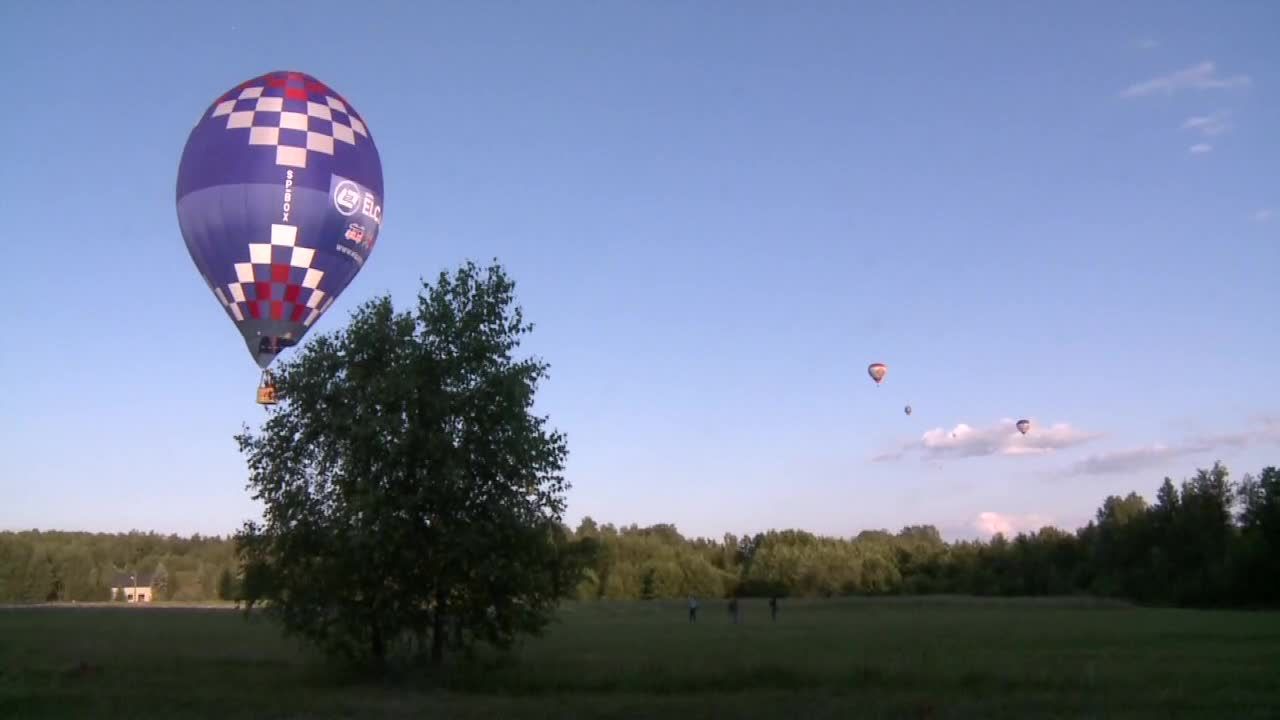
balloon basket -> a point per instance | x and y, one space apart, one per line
267 391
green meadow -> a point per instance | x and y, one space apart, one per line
940 657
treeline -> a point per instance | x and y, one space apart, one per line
54 566
1205 542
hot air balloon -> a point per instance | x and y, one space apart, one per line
877 371
907 409
1024 426
279 199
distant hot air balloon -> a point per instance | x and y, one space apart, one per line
907 409
279 199
1024 426
877 371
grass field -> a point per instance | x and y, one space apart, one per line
894 658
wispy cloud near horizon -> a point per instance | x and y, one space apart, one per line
1138 458
1200 148
1001 438
1263 215
1203 76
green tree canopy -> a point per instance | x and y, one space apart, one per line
408 487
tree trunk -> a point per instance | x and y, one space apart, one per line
438 630
378 649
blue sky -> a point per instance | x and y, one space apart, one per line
718 214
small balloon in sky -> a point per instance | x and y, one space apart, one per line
1024 426
280 202
877 371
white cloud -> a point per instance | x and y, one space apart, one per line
1267 432
1263 215
989 523
1120 461
1200 148
1215 123
1197 77
1147 43
890 456
1001 438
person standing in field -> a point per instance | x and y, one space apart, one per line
773 608
733 610
693 609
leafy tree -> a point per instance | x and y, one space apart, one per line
407 485
1257 557
173 587
160 582
587 528
226 586
647 584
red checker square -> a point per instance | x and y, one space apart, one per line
299 312
275 82
295 93
280 273
262 291
254 312
277 310
291 293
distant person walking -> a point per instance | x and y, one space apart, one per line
733 610
773 608
693 609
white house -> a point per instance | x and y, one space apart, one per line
132 587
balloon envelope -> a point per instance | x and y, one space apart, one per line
1024 426
279 199
877 371
907 409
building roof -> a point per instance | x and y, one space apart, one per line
125 580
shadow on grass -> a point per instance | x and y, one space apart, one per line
510 677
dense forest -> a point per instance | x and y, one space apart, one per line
64 566
1208 541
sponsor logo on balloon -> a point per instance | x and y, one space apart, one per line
369 209
355 233
288 196
349 198
351 254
